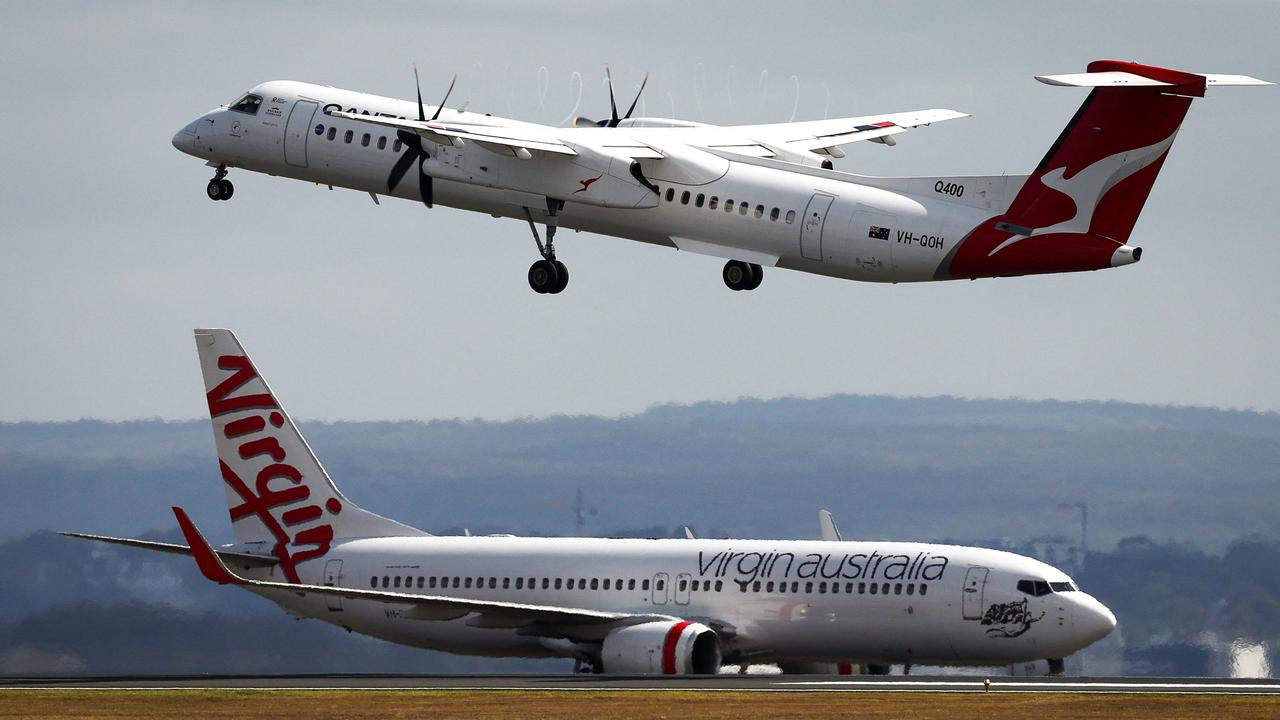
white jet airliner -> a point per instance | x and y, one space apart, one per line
758 195
634 606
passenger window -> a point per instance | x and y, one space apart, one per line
684 198
759 211
768 587
568 584
923 588
644 585
808 587
457 581
822 588
835 588
897 588
618 584
386 581
595 583
493 583
791 216
755 586
795 587
773 214
682 586
874 588
631 584
713 203
395 146
396 581
671 194
719 585
911 588
700 200
884 589
373 583
364 140
546 582
382 142
506 583
333 133
557 583
431 582
606 583
519 583
421 580
660 585
346 138
728 206
848 588
467 583
248 104
862 588
742 208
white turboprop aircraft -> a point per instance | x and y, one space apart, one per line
758 195
616 605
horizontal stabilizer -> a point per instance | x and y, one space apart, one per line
1118 73
240 558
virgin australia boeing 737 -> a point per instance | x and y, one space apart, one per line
619 606
758 195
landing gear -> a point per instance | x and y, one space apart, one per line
742 276
548 275
220 188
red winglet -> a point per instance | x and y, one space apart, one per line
206 559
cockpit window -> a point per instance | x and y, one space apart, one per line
1062 587
248 104
1037 588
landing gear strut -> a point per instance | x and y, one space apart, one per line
220 188
742 276
547 275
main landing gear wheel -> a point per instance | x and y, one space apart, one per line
548 276
220 188
742 276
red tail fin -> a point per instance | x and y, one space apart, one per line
1079 207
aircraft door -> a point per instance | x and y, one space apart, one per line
975 585
333 578
296 132
683 581
815 216
660 582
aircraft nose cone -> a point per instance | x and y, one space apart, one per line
1093 621
184 139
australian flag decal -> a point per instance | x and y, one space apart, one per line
878 233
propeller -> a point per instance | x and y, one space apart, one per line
413 151
613 120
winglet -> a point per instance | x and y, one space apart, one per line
206 559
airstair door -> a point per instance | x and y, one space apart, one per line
333 578
975 584
296 132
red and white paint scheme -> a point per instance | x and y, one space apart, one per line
757 195
635 606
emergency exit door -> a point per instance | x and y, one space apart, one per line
815 217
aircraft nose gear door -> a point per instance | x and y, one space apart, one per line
332 578
975 583
296 132
815 216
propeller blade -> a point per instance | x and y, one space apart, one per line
638 94
426 189
422 111
613 107
446 98
400 168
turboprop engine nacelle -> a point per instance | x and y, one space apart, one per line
662 648
591 177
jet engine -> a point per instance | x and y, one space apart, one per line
662 648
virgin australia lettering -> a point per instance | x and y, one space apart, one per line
757 195
617 605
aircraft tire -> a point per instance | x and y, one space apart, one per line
214 190
227 189
544 277
562 271
736 275
757 276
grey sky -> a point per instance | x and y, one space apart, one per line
112 253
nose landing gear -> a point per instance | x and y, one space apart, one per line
548 275
739 275
219 188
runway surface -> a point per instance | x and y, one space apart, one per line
748 683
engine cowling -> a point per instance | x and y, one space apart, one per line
662 648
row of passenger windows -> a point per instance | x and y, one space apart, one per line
682 585
365 139
743 207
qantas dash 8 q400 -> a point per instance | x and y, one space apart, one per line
758 195
614 605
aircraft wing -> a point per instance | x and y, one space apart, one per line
540 620
239 558
502 139
818 134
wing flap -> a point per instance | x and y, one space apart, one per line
819 134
